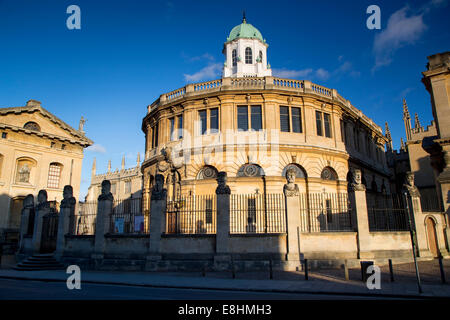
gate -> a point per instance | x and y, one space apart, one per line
49 232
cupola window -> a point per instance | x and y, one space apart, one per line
248 55
234 57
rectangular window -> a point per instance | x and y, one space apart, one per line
327 124
242 118
214 120
203 125
4 135
54 173
256 118
319 123
180 127
127 186
155 136
172 129
343 130
284 119
296 120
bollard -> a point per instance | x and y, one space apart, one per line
270 270
233 273
391 270
441 268
306 269
346 270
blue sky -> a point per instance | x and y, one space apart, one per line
127 53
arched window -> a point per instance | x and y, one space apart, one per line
260 57
207 172
248 55
234 57
250 170
24 170
54 174
328 173
32 126
299 171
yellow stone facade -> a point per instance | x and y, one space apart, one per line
355 141
37 151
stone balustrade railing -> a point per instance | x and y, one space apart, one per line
224 84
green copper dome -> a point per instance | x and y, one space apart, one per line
245 30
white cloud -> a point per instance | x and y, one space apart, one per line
401 30
322 74
96 148
211 71
286 73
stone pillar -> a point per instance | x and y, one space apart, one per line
42 209
67 211
444 181
418 219
104 210
157 222
28 206
291 194
360 217
222 259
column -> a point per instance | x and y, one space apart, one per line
222 258
157 223
42 209
360 217
104 210
28 207
67 211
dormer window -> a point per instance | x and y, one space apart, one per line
32 126
234 57
248 55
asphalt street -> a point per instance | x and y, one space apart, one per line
40 290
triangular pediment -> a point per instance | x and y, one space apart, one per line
34 119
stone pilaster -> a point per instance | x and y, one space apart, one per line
103 223
157 222
28 208
67 211
358 203
222 259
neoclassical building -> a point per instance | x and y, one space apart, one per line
255 126
37 151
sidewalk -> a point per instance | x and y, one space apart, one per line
317 283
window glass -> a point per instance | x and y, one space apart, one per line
319 123
284 119
327 124
242 118
248 56
202 116
180 126
54 172
256 118
172 129
214 120
234 57
296 120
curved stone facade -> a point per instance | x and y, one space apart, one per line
334 137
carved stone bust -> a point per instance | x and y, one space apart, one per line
290 189
42 200
409 185
68 198
356 184
222 187
158 191
106 191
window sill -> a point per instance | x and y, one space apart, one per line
23 185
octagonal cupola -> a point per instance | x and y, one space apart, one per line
245 52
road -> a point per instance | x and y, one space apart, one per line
40 290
